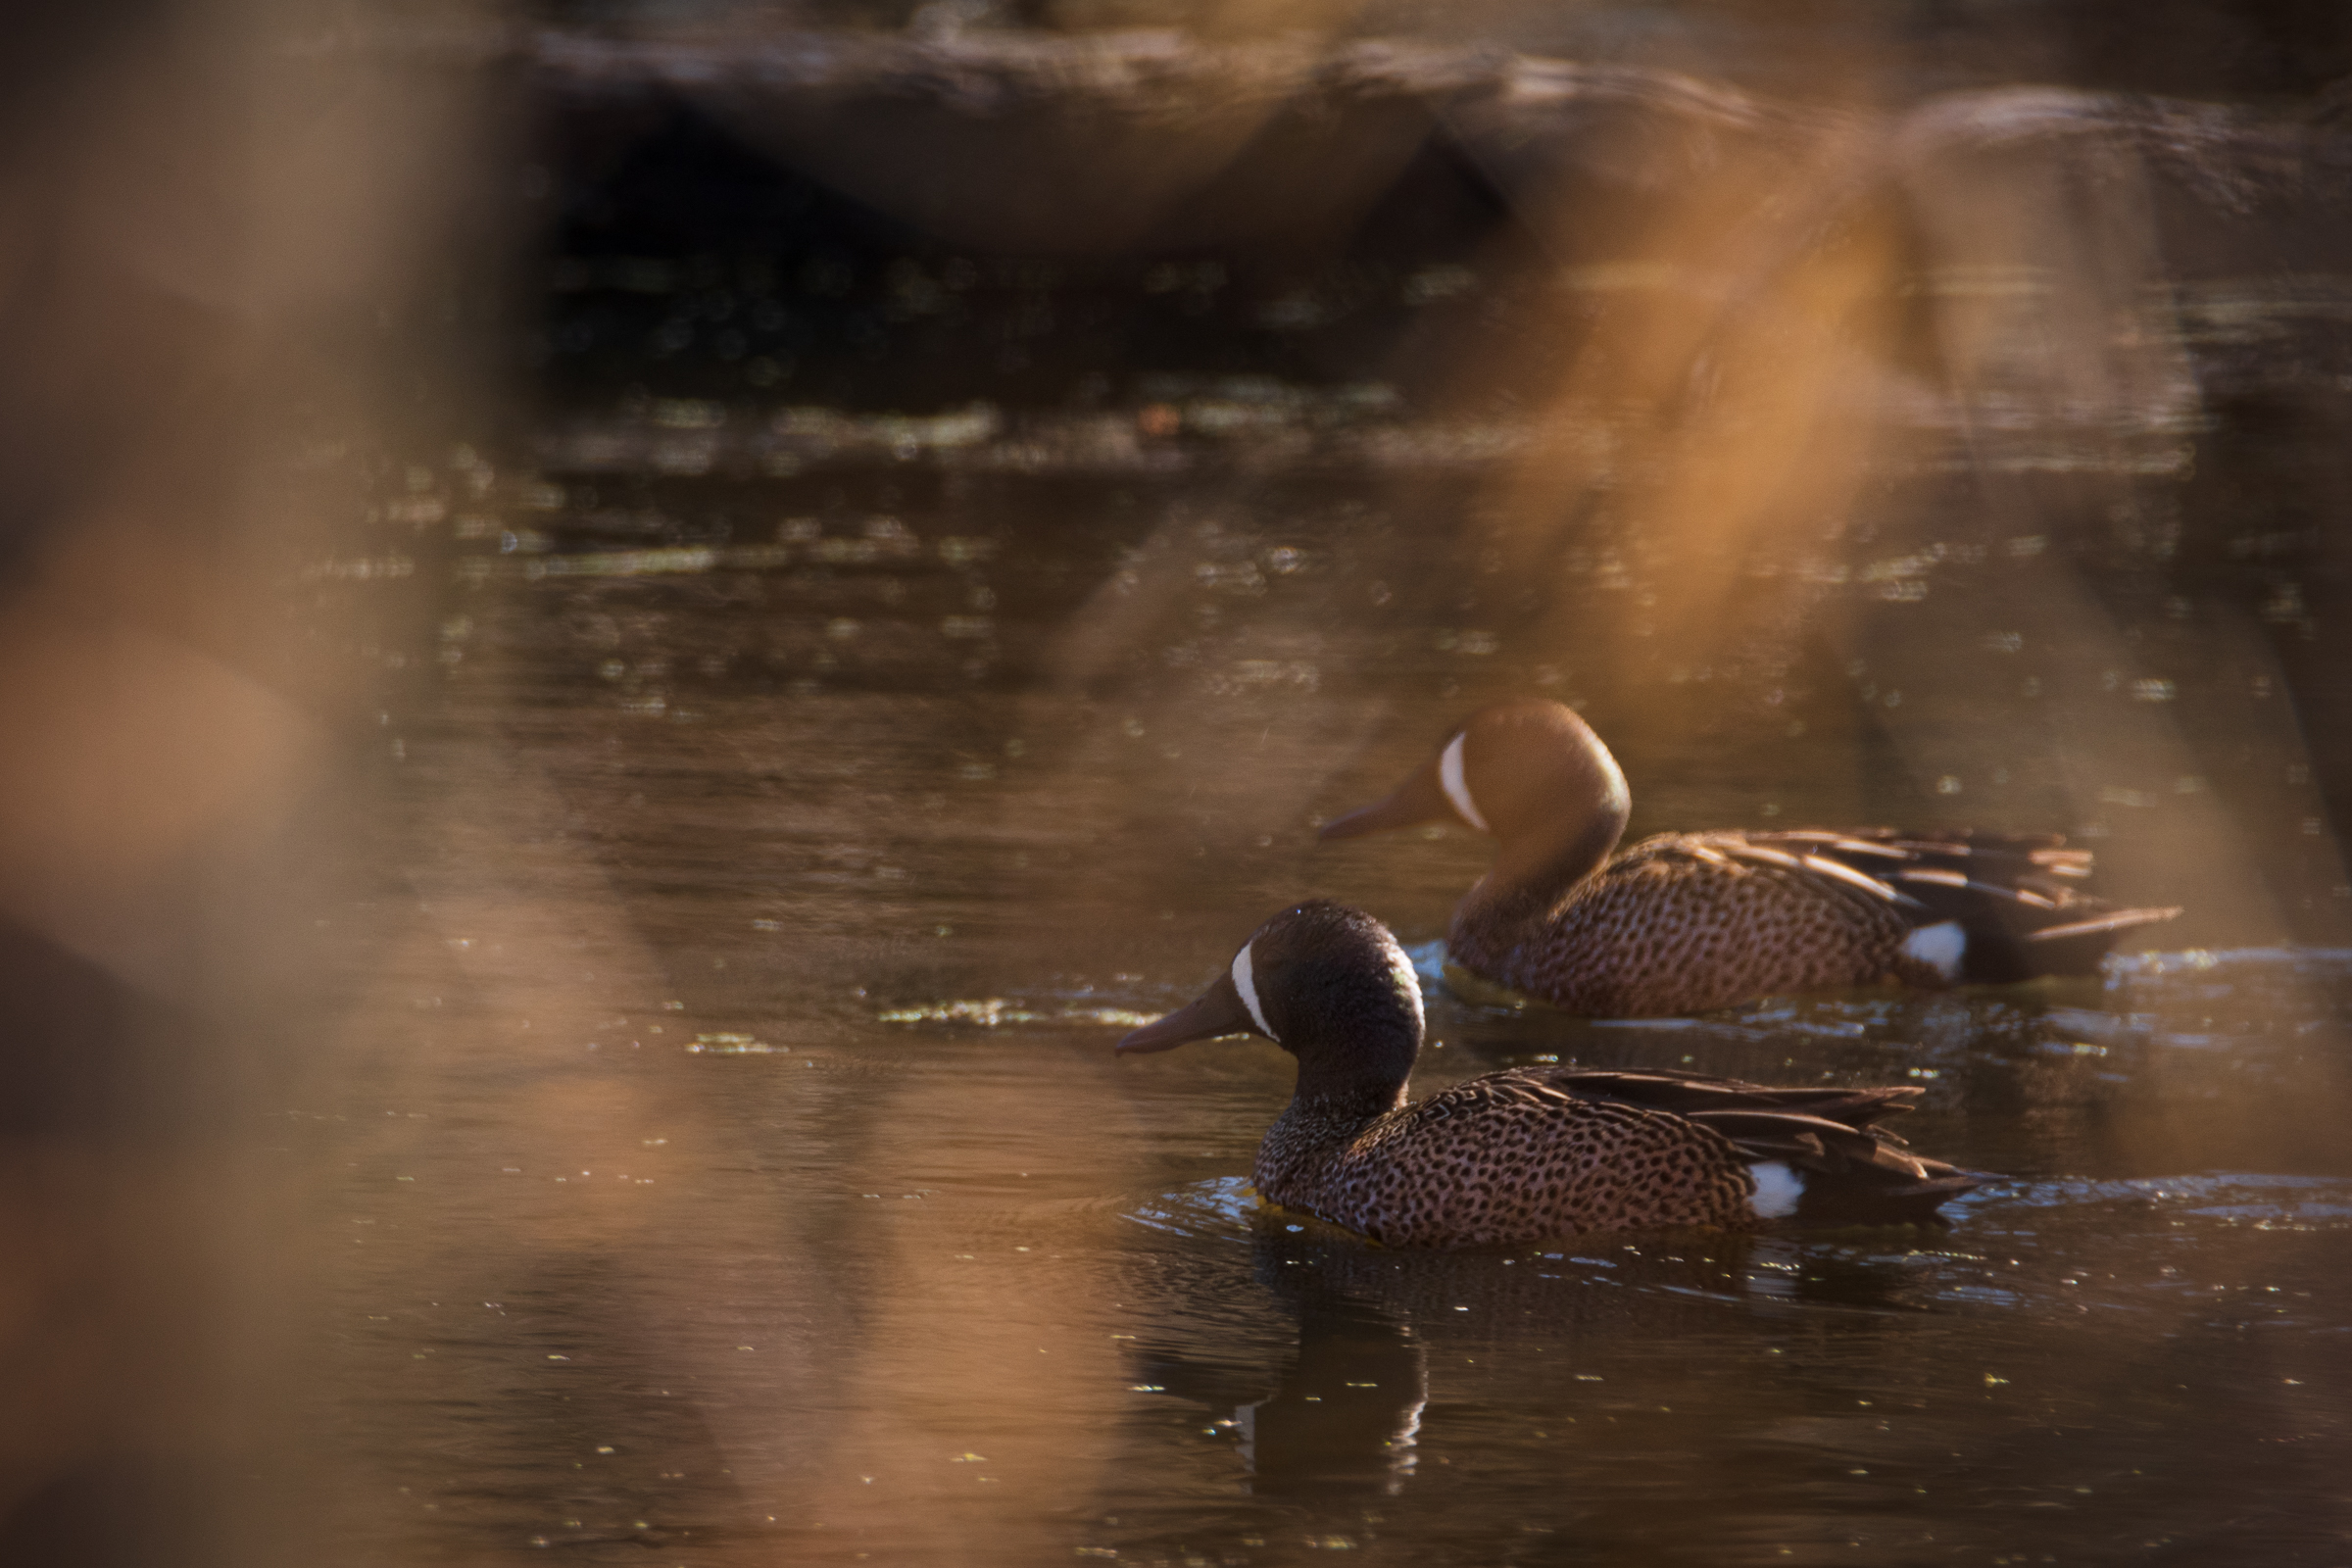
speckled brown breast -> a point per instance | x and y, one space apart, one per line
1502 1158
1679 924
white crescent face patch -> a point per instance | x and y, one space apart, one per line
1245 982
1450 778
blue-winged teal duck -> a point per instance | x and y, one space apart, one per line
1683 923
1532 1151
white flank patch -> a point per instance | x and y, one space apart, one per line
1938 947
1778 1188
1449 775
1246 983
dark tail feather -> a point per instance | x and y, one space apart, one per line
1852 1171
2078 945
1852 1175
2017 898
2019 929
1698 1097
1872 1199
2038 861
2011 937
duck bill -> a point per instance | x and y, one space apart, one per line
1419 799
1217 1011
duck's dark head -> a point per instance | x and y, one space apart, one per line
1325 982
1515 770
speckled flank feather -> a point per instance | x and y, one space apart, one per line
1533 1153
1683 923
1501 1160
1688 921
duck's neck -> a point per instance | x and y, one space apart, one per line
1535 875
1358 1100
1324 1115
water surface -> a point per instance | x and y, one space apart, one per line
734 1167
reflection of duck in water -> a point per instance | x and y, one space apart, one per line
1349 1407
1531 1151
1383 1336
1685 921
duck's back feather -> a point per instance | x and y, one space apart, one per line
1854 1170
1686 921
1542 1152
1681 922
1509 1157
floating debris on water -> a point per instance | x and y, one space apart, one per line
995 1010
726 1044
988 1015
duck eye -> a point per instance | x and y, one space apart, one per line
1245 981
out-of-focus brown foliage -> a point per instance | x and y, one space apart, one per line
200 221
